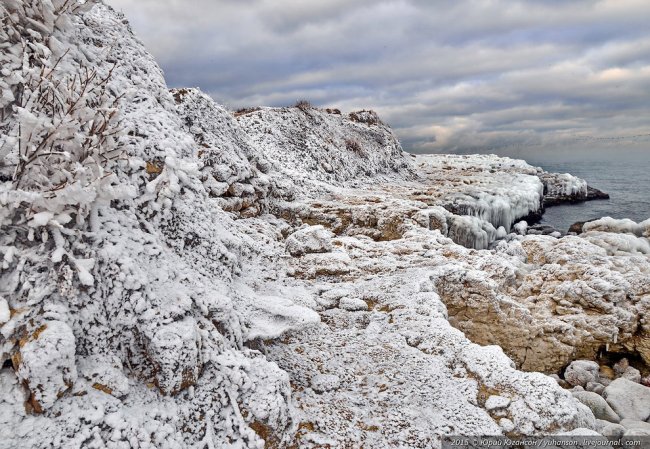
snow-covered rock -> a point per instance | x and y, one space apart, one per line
618 226
572 296
45 363
231 168
5 314
559 187
325 382
312 239
401 347
132 257
496 402
174 349
105 373
309 145
581 372
353 304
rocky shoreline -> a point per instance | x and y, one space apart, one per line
617 395
288 277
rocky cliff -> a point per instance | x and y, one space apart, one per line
177 275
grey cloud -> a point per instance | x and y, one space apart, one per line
447 75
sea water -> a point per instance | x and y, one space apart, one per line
626 180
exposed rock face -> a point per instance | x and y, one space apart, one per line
231 169
378 354
572 297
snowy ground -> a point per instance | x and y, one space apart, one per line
281 277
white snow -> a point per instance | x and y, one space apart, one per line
4 311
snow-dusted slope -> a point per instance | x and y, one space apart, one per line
120 288
148 298
308 145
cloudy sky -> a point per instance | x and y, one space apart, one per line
505 76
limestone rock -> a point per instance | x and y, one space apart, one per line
506 424
581 372
105 373
174 351
321 383
629 400
312 239
598 405
496 402
352 304
632 374
556 306
4 311
45 363
596 387
621 366
311 266
609 429
639 426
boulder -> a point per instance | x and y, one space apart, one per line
598 405
595 387
621 366
321 383
581 372
609 429
105 373
632 374
45 364
496 402
352 304
174 352
506 424
5 314
312 239
639 426
628 399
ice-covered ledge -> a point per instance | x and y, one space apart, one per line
498 191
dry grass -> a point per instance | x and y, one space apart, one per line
303 105
354 146
245 111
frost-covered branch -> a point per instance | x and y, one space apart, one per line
58 118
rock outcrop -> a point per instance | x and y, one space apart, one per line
574 299
279 277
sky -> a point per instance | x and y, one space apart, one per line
513 77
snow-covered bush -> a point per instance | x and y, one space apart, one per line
59 122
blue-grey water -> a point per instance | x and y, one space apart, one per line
627 180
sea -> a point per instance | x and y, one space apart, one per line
626 179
